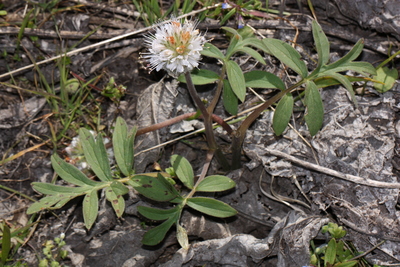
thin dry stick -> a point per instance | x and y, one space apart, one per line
265 193
288 199
76 51
340 175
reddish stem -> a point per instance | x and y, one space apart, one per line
182 117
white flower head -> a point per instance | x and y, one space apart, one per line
175 47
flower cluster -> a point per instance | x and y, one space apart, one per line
175 47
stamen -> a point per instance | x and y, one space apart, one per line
176 24
171 39
185 36
181 49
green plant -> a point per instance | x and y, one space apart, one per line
155 186
53 252
232 82
152 11
336 253
12 238
5 243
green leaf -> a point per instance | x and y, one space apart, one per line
321 44
253 53
263 79
246 32
254 42
228 15
211 207
387 76
282 114
330 254
158 214
181 235
51 189
210 50
42 204
119 188
236 38
215 183
233 32
157 234
90 208
95 154
114 194
286 54
183 170
363 68
315 108
236 79
123 146
155 188
326 81
346 83
5 243
200 77
64 200
350 56
70 173
229 99
51 202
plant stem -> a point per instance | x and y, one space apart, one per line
207 118
179 118
217 95
239 135
388 60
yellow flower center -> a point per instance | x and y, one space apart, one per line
181 49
